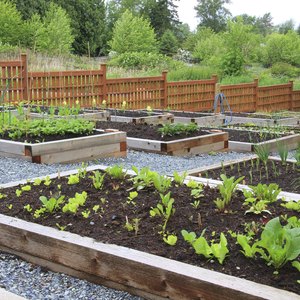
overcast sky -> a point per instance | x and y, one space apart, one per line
281 10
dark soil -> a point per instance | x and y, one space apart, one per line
107 224
286 176
145 131
186 114
249 136
150 132
130 113
282 129
45 138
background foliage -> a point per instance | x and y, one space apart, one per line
146 35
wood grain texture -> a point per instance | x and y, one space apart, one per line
127 267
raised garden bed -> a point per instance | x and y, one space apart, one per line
263 120
101 144
147 138
247 140
66 112
201 119
165 271
255 171
139 117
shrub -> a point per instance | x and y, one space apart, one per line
140 60
284 69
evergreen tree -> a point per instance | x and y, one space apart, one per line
163 16
88 25
286 26
30 7
168 43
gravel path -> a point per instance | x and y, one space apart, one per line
33 282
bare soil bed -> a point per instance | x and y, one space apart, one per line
109 208
130 113
151 132
145 131
32 139
248 136
187 114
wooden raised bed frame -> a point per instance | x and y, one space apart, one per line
152 118
210 119
92 116
214 141
291 142
264 122
143 274
109 143
195 174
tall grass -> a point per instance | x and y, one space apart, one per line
246 78
191 73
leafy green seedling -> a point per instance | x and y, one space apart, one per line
170 239
97 179
86 213
51 204
47 181
161 183
60 227
292 205
228 187
73 179
28 207
195 204
116 172
179 179
248 251
164 209
37 181
74 203
131 197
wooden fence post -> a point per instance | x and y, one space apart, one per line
164 104
214 77
24 76
255 94
104 83
291 104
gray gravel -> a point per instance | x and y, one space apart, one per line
33 282
12 169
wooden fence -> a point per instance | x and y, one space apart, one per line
90 88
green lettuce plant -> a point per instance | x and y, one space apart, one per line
201 246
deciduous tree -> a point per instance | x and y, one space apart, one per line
55 34
133 34
213 14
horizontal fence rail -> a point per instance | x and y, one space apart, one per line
91 88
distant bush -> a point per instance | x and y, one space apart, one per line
141 60
285 69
